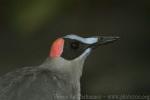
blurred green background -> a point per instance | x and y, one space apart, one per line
28 27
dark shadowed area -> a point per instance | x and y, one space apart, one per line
28 27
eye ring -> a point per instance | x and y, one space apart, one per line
75 45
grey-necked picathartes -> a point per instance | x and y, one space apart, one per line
58 77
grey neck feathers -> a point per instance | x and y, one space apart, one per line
71 68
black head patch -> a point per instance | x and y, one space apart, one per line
73 49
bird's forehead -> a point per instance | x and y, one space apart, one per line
89 40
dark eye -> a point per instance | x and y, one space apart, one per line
75 45
101 38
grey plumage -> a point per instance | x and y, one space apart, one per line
58 78
38 83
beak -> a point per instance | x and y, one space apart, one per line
102 40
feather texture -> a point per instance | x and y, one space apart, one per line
34 83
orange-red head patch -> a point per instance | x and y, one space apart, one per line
57 48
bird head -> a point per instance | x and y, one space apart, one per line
68 53
73 47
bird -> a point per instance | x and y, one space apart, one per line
58 77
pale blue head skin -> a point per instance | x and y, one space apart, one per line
90 40
94 41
